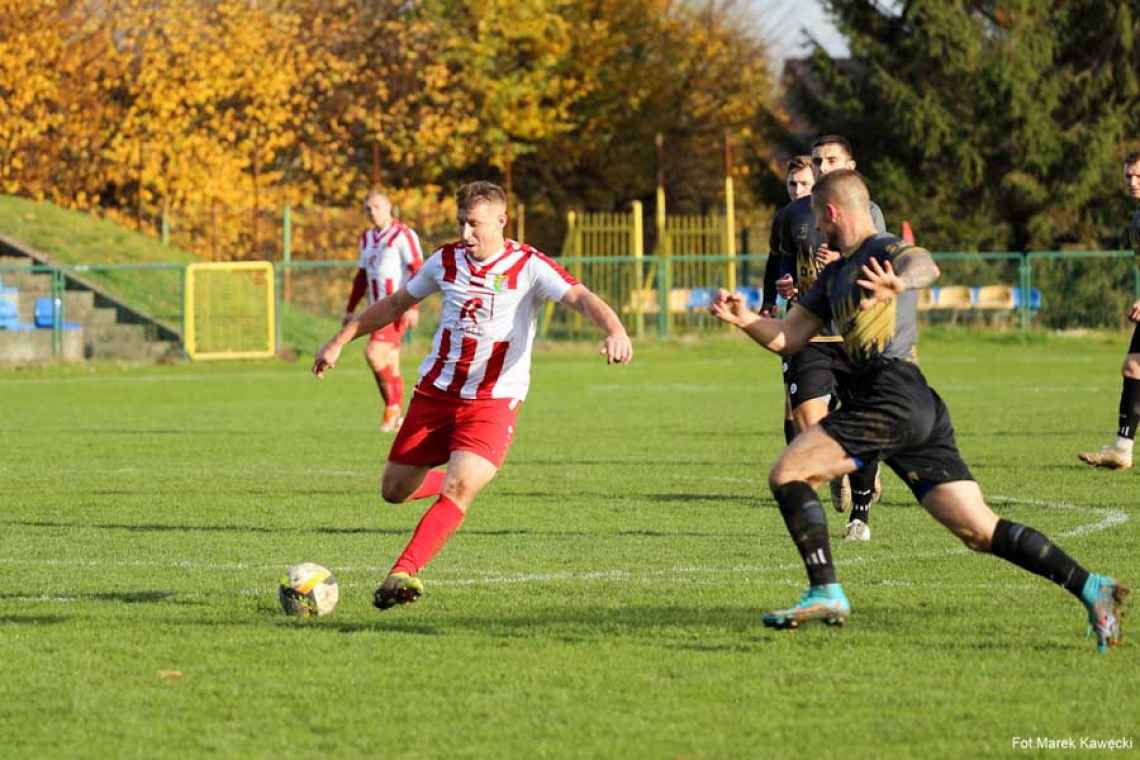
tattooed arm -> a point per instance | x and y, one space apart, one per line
913 270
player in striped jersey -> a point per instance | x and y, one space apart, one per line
472 383
389 255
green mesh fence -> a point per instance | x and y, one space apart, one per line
654 296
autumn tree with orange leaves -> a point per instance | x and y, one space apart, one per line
217 113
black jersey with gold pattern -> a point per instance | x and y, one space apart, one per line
795 239
886 331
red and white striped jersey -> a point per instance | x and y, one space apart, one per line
487 321
389 257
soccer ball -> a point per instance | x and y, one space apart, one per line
308 589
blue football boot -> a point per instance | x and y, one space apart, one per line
1104 598
825 603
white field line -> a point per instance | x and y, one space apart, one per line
669 388
1106 519
1109 518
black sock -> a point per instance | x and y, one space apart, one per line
789 431
1129 408
807 524
1032 551
862 491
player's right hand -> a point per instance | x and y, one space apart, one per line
824 255
618 349
1134 312
326 358
786 288
731 308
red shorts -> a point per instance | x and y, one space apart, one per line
436 425
392 333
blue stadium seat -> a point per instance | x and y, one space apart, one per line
45 315
45 312
752 297
1035 298
10 312
700 298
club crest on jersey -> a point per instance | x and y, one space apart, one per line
801 232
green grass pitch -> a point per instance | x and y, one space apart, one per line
601 600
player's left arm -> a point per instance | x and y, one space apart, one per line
877 218
617 348
912 269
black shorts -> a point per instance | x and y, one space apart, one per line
889 413
1134 346
812 371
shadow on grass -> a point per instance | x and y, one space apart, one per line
138 431
567 624
405 532
1026 433
593 622
177 528
246 492
668 498
632 463
117 597
32 619
1075 467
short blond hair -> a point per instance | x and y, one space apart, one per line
480 191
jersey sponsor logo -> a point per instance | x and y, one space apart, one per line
470 310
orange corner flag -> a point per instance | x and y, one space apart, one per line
907 233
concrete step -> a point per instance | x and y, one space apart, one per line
122 341
98 317
19 347
27 283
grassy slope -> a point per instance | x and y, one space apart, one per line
600 601
71 237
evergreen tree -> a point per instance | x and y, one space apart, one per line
991 124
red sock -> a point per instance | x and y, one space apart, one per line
384 380
436 526
384 386
432 485
395 390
